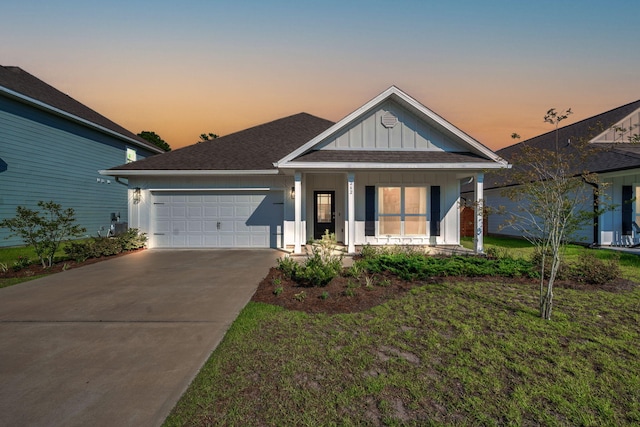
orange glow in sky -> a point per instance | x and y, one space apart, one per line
185 68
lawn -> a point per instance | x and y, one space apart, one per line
458 352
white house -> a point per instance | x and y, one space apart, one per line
388 173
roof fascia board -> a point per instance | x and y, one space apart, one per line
72 117
148 172
392 91
365 165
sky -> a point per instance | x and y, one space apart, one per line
182 68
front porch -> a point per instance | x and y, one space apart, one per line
380 208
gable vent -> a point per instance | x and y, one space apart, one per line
389 120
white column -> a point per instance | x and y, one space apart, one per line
351 213
297 227
479 220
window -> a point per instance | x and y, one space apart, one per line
131 155
402 211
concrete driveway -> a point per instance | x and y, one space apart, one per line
116 343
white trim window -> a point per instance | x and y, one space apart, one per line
402 211
131 155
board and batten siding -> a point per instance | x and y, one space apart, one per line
409 133
46 157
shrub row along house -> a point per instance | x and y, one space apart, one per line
388 173
607 149
52 147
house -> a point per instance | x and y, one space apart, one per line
608 153
52 147
388 173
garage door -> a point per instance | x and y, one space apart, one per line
217 219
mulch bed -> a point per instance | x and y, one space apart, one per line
348 295
37 269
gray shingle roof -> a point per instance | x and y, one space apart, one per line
18 80
256 148
603 158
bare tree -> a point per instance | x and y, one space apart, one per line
551 194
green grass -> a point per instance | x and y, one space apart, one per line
449 354
629 262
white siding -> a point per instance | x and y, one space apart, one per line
410 133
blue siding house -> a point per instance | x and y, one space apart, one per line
52 147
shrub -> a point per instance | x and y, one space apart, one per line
106 246
132 239
592 270
320 266
44 229
288 266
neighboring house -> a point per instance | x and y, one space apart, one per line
388 173
611 156
51 148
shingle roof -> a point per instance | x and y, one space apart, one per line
361 156
603 158
18 80
256 148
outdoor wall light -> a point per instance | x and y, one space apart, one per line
136 195
293 192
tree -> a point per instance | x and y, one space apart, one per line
155 139
551 193
44 229
207 137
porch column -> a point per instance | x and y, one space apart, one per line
351 213
297 225
479 216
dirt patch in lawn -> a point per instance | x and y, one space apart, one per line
345 294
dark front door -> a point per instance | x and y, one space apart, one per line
324 213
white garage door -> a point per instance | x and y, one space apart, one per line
217 219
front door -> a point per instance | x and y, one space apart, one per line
324 213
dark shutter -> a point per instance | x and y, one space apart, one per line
435 211
370 210
627 210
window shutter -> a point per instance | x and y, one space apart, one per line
627 210
435 211
370 209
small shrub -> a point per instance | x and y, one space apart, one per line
300 296
105 246
4 267
278 290
592 270
563 269
20 263
79 251
287 266
320 266
324 295
132 239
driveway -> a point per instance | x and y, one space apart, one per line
116 343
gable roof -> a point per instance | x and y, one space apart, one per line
18 84
473 148
602 158
253 149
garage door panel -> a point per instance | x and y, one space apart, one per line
217 219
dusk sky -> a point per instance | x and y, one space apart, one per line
182 68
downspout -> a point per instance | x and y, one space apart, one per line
596 214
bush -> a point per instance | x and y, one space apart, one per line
320 266
417 266
44 229
106 246
592 270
